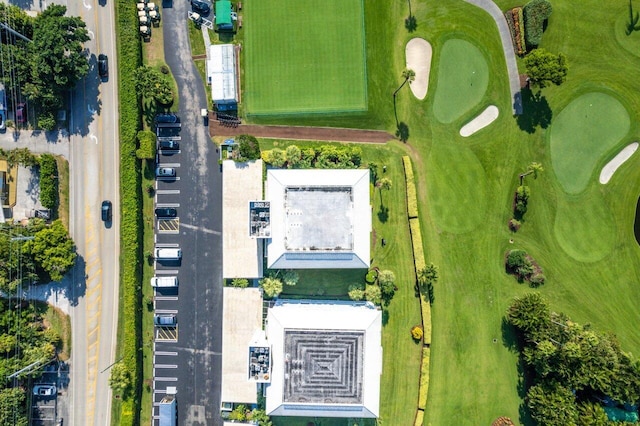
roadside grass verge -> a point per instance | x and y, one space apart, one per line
401 355
59 322
63 190
196 41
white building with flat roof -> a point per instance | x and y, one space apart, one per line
326 359
320 219
242 255
221 72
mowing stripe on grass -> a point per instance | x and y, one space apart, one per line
305 57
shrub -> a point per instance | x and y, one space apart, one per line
417 333
248 148
371 277
386 281
520 31
293 156
514 224
356 292
276 157
521 200
272 287
46 121
290 277
536 12
373 294
240 282
147 145
412 197
516 259
48 181
537 279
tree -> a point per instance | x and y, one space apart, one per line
259 416
529 313
383 184
408 75
533 168
147 145
151 84
386 281
13 407
544 67
290 277
53 250
552 405
277 157
428 276
248 148
293 156
272 287
239 413
120 379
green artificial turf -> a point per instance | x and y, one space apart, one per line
585 130
304 57
463 76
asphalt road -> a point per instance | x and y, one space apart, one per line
191 363
94 175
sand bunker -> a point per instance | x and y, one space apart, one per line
485 118
610 168
418 53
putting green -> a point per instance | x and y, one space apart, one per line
588 128
457 188
463 76
584 227
630 42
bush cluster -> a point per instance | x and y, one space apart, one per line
536 12
515 21
416 332
48 181
412 196
248 148
322 157
519 263
521 201
129 59
147 145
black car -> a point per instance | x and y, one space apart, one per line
202 7
166 212
106 210
170 145
166 118
103 65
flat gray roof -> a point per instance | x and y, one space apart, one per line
308 210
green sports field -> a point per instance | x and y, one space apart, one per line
304 57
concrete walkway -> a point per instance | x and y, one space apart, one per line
507 46
38 142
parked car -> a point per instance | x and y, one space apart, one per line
21 113
166 118
106 210
165 172
3 119
44 390
202 7
166 212
103 65
165 320
169 145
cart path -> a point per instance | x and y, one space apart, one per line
300 132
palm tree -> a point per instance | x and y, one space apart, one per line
534 168
408 75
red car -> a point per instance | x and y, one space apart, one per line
21 113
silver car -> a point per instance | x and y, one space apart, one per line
165 172
165 320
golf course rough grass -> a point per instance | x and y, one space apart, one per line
584 227
304 57
463 76
588 128
629 40
457 188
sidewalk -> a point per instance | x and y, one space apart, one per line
38 142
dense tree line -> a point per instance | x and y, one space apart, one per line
571 367
48 256
44 69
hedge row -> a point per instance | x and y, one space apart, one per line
424 378
515 21
48 181
129 59
536 12
412 196
416 240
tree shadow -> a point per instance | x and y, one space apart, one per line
385 317
536 111
383 214
411 24
510 338
632 25
402 131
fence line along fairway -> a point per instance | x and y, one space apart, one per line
583 133
463 77
304 57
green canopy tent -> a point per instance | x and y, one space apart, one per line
223 16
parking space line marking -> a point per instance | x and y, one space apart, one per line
167 298
166 311
166 379
167 353
166 366
167 191
167 204
170 165
166 271
170 179
168 245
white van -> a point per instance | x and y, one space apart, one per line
166 253
164 282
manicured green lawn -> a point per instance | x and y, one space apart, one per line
304 57
463 76
585 130
401 356
629 40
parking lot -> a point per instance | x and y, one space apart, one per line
186 335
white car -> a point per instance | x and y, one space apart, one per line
44 390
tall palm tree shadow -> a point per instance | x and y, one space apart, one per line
411 24
402 131
536 111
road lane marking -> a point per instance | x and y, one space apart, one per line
200 228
